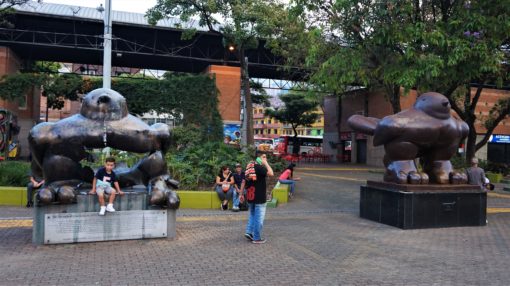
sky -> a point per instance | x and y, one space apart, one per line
135 6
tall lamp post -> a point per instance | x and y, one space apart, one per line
107 44
245 119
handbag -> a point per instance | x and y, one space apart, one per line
226 186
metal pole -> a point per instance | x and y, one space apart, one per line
244 115
107 45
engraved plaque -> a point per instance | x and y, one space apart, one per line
89 226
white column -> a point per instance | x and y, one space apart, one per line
107 45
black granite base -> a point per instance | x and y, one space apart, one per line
423 206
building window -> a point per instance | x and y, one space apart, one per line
308 132
275 131
262 122
269 121
319 132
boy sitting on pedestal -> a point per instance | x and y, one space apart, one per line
103 181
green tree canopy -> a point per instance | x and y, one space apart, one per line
7 8
297 111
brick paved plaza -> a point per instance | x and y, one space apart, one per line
316 239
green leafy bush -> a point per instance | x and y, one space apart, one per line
196 167
493 167
14 173
459 162
185 137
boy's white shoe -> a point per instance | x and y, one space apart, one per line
109 208
102 210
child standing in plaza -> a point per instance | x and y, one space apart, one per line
103 181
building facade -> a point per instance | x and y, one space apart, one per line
265 126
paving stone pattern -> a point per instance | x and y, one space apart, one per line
316 239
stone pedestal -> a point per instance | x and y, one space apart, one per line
423 206
80 222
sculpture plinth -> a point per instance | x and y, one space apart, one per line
135 218
423 206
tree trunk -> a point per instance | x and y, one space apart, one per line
295 143
245 86
339 145
393 92
471 142
47 109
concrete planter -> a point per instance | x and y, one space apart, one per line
13 196
17 196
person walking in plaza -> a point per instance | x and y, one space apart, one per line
35 183
103 181
240 191
475 174
287 178
256 196
224 186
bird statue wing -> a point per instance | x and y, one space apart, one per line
365 125
388 129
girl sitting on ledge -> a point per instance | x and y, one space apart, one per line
286 178
224 186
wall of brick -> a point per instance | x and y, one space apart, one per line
488 99
228 82
9 63
70 108
27 113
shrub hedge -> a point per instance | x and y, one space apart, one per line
14 173
196 167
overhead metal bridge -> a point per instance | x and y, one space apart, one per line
63 33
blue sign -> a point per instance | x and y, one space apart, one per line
232 133
499 139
